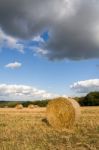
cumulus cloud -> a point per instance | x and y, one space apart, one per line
13 65
39 51
22 92
73 25
86 86
38 39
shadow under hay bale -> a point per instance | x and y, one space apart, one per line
62 112
45 121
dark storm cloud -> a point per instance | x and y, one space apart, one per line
73 25
25 18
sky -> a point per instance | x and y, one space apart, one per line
48 48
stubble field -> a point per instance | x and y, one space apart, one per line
26 129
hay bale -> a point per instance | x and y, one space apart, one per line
6 107
19 106
62 112
36 106
31 106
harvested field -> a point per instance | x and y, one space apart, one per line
26 129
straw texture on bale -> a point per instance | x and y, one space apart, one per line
62 112
19 106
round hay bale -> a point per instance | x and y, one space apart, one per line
19 106
6 107
36 106
62 112
31 106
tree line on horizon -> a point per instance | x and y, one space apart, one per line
91 99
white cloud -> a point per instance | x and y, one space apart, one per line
39 51
13 65
38 39
22 92
86 86
10 42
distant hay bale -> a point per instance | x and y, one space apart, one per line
31 106
62 112
6 107
19 106
36 106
